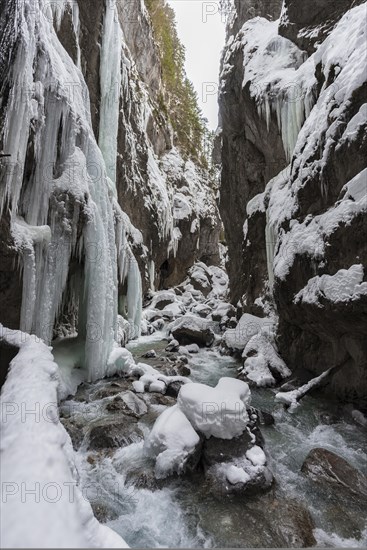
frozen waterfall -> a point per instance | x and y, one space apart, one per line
60 197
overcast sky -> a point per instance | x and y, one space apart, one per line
202 31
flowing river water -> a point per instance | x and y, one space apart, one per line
183 514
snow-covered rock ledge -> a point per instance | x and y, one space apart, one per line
41 505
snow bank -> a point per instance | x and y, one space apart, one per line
218 412
172 441
42 505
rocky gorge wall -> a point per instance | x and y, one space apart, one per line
98 205
165 195
293 129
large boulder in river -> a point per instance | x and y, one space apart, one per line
327 468
192 330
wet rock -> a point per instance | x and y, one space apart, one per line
152 354
110 390
173 346
224 311
266 418
231 323
292 522
238 477
128 402
173 389
327 468
202 310
114 435
158 324
163 301
165 400
183 370
75 431
201 279
284 523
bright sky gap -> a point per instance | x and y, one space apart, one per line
201 29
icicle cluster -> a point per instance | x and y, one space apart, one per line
60 198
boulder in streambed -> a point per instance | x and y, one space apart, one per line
192 330
329 469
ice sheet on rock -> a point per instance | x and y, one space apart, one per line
181 207
110 82
171 441
247 327
218 412
37 455
345 286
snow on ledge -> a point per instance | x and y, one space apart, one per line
42 506
345 286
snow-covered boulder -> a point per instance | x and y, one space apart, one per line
192 330
203 310
263 366
173 443
218 412
248 326
241 476
163 299
200 278
223 310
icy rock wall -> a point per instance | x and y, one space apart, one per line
67 231
294 175
149 170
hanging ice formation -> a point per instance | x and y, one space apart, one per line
110 82
62 205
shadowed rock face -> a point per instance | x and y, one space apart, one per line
252 154
310 336
308 23
133 184
247 9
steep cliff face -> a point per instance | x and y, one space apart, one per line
97 205
294 158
